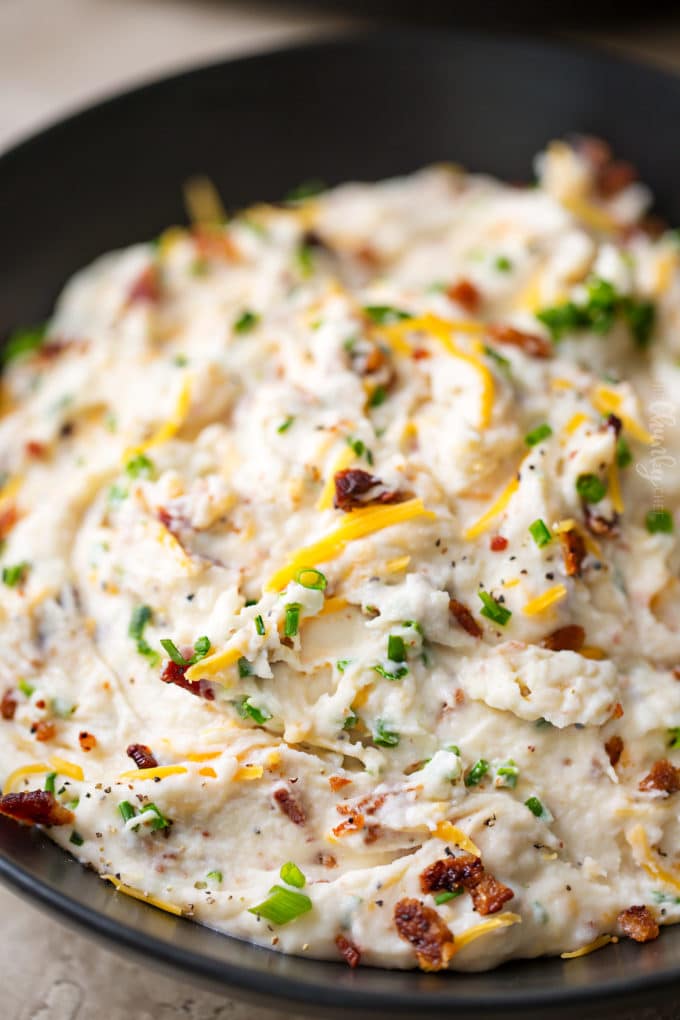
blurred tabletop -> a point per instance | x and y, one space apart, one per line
57 55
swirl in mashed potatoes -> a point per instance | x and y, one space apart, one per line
341 608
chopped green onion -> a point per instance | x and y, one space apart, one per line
507 775
659 521
248 711
259 625
282 905
246 321
49 782
76 838
599 313
360 448
674 734
291 623
26 688
310 577
12 576
384 737
160 821
590 488
396 649
537 809
305 259
201 649
383 315
216 876
477 772
116 494
398 674
503 363
286 424
350 722
141 615
291 874
244 668
623 454
180 361
453 748
62 708
378 397
503 264
22 341
540 532
641 316
307 189
250 602
140 467
538 434
446 895
126 810
342 664
493 610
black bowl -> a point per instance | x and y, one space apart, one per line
365 107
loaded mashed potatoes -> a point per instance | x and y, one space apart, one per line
341 606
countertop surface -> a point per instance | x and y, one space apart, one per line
55 56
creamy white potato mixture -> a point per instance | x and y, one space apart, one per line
341 607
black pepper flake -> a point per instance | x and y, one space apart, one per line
550 576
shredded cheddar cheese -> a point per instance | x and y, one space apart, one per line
452 834
608 401
14 778
170 428
494 511
159 772
598 943
342 461
67 768
213 664
246 773
137 894
504 920
203 203
638 840
545 600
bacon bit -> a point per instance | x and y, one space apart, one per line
614 749
354 823
327 860
146 288
368 256
615 424
142 756
533 345
596 151
352 483
617 711
372 834
337 782
459 696
35 807
662 776
8 518
596 524
573 552
174 674
420 354
498 543
367 805
422 926
53 348
34 448
216 244
8 705
87 741
466 871
290 806
43 730
565 639
465 618
638 924
466 294
676 672
350 952
613 177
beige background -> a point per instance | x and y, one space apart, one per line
56 55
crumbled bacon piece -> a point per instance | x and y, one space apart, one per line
533 345
34 448
337 782
372 834
662 776
368 255
464 293
354 823
9 515
142 756
368 805
215 243
327 860
43 730
615 424
146 288
498 543
353 483
638 923
8 705
348 950
87 741
174 674
603 527
614 749
35 807
570 638
464 618
613 177
573 551
290 806
467 872
595 150
422 926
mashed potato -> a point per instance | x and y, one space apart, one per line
340 602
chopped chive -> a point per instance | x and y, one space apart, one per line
250 602
126 810
350 722
503 363
140 467
282 905
446 895
201 649
248 711
507 775
383 315
116 494
141 615
216 876
76 838
477 772
342 665
23 341
291 875
590 488
244 668
246 321
360 448
503 264
160 821
12 576
310 577
286 424
453 748
259 625
307 189
493 610
378 397
26 688
62 708
540 532
535 806
49 782
659 521
304 257
291 623
398 674
623 453
384 737
396 649
674 734
538 434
